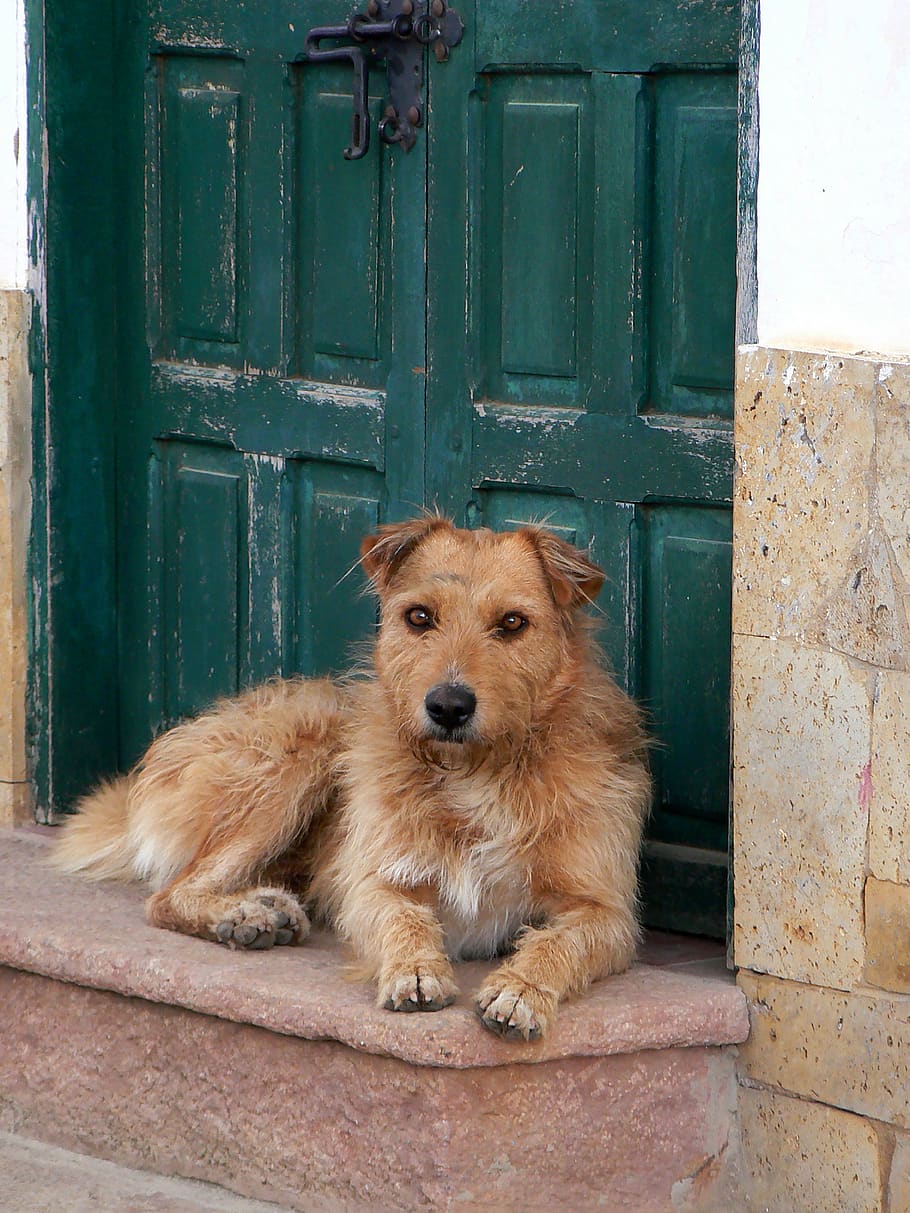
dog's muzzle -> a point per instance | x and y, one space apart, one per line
450 707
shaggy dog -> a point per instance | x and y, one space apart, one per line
480 791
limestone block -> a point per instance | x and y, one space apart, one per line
866 616
848 1050
804 439
889 820
15 412
893 459
899 1182
802 741
806 1157
15 803
888 935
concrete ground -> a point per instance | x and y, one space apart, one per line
35 1178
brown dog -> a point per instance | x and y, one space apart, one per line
482 788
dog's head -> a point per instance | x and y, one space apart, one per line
480 635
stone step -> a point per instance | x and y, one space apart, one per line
271 1074
38 1178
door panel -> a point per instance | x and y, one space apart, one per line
203 207
532 136
335 507
593 386
342 250
204 573
686 555
693 278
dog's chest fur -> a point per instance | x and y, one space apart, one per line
482 877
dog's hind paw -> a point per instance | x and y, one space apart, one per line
262 918
514 1011
417 990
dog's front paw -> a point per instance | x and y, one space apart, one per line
262 918
515 1010
421 987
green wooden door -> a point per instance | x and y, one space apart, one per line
271 403
530 315
583 167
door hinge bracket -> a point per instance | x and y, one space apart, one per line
394 32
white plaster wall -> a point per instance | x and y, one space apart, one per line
13 116
834 175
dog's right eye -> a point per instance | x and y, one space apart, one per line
418 618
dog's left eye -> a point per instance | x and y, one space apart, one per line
418 618
512 623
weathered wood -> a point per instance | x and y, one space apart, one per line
747 178
581 288
608 35
270 407
73 570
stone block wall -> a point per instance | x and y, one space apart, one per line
821 713
15 520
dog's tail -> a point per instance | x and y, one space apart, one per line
95 842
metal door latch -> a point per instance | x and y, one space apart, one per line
395 31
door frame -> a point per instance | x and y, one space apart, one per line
72 726
73 635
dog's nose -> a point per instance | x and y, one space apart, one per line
450 705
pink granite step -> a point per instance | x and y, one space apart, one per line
96 935
272 1074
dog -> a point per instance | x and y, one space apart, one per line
479 792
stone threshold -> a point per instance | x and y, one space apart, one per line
95 935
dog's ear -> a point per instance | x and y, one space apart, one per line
383 553
574 579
